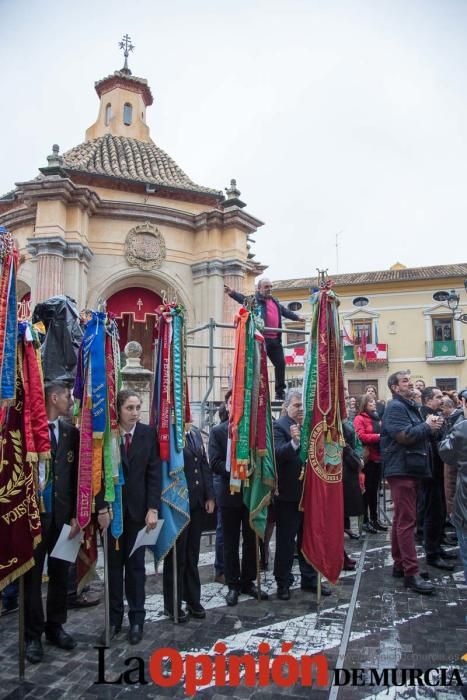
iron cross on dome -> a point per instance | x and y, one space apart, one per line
126 45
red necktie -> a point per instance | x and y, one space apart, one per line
127 443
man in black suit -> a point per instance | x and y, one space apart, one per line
141 496
289 519
201 494
57 483
235 516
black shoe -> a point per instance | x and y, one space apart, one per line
9 606
135 634
399 573
34 651
83 600
439 563
232 597
444 554
196 611
313 587
368 527
378 526
182 615
253 592
113 631
59 638
418 584
283 593
352 535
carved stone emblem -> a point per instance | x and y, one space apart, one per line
145 247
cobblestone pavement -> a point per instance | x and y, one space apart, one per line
391 628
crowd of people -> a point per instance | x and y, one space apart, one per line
419 447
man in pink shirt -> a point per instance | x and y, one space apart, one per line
271 311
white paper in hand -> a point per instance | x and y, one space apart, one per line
144 538
67 549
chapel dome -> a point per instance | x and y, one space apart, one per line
128 158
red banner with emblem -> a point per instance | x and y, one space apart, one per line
322 441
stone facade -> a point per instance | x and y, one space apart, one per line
118 212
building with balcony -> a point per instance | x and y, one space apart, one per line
389 321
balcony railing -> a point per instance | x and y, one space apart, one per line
440 350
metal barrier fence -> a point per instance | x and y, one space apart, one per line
202 383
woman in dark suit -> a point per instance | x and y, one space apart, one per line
201 494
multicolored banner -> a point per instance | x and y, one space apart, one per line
322 440
252 460
171 418
96 386
8 315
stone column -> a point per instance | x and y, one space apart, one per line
49 252
61 268
136 378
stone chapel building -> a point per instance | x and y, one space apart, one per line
115 219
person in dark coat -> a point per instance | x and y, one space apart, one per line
141 495
453 450
271 311
235 517
289 519
201 495
352 464
59 497
431 503
405 445
368 428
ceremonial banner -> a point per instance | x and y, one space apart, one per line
8 315
322 440
360 353
96 386
252 459
261 480
170 416
175 505
20 526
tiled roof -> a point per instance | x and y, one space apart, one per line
130 159
363 278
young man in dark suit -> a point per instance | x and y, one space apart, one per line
58 489
201 494
141 496
289 519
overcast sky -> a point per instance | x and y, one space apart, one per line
333 116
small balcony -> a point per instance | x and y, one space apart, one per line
445 350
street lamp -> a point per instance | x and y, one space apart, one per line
453 299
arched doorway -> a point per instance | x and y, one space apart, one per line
135 312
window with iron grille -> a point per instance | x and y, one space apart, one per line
442 328
446 383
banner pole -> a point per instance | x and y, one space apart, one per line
258 572
21 649
318 589
175 581
105 543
